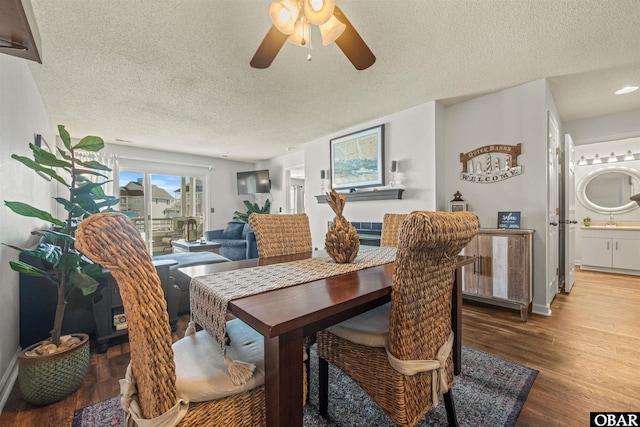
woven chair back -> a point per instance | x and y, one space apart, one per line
278 235
391 224
429 244
111 240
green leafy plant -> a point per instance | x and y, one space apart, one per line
252 207
64 266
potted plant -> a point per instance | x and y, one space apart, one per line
586 222
252 207
51 370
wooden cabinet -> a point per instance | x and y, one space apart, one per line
611 250
501 273
18 29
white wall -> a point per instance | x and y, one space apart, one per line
604 128
511 116
277 173
22 115
223 197
410 140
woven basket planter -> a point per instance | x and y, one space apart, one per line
48 379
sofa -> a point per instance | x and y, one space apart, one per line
237 241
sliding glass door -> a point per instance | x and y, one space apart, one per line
164 207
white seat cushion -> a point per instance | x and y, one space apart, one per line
370 328
201 374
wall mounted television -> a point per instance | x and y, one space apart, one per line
254 182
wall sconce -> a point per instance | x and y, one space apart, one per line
612 158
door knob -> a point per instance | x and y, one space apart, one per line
553 223
573 222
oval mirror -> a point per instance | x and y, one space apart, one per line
608 189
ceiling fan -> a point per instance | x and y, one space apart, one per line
291 22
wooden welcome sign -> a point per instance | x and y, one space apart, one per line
491 163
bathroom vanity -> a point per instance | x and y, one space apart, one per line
611 248
613 245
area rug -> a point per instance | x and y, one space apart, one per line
489 392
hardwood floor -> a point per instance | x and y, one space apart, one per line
587 352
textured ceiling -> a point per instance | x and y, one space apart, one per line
175 75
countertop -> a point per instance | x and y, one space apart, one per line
621 226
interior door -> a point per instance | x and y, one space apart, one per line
569 214
553 203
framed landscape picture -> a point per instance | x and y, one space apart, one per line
357 159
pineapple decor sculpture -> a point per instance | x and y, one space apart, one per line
341 242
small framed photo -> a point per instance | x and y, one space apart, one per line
42 144
509 220
457 206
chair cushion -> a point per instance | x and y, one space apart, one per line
233 230
370 328
201 374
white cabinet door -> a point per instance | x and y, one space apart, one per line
626 254
596 251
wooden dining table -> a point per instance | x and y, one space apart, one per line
285 316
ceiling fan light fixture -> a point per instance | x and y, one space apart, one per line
331 30
284 15
318 12
301 33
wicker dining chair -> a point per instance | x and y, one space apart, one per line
190 373
417 326
284 234
278 235
391 224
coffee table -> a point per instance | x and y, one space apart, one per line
184 246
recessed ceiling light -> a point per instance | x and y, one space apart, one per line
626 89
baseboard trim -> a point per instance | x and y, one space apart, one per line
9 379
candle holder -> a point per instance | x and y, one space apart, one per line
323 181
394 169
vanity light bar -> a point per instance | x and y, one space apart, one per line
612 158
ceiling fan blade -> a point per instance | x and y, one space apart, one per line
352 45
269 48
